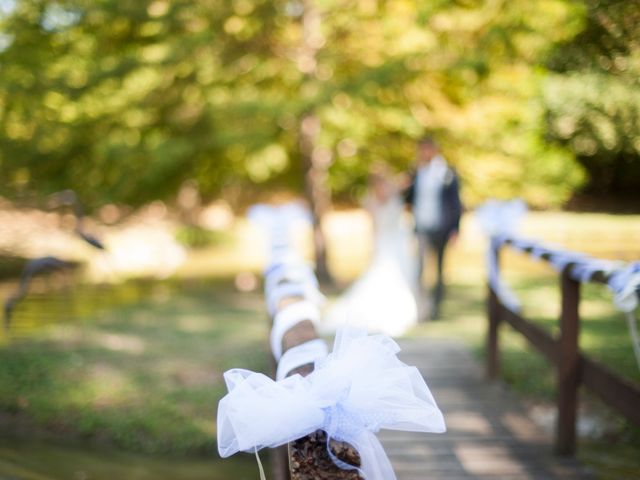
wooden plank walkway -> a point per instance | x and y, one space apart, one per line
488 433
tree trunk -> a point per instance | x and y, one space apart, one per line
315 160
315 163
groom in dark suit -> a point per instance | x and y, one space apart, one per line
434 197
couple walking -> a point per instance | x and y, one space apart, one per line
390 297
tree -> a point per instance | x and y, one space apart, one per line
592 100
124 102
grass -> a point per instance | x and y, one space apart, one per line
143 373
603 336
36 460
144 377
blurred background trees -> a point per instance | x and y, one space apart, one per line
125 101
592 99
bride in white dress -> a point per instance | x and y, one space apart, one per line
382 299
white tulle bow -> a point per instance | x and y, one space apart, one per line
500 217
358 389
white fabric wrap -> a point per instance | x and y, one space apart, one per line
289 316
358 389
538 250
584 267
293 272
304 290
625 283
496 217
583 271
277 221
521 243
308 352
499 219
502 291
560 259
290 278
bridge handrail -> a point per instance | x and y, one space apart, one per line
306 457
574 368
292 296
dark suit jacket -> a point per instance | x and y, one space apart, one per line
449 201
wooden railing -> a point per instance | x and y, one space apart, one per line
307 458
573 367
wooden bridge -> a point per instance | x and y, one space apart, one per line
489 432
489 435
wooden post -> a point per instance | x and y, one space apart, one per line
307 457
493 354
493 315
280 455
568 367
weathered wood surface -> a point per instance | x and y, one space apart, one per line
489 435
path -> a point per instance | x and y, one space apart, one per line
488 433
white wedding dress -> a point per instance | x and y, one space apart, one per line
382 299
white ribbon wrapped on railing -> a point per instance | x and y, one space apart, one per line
289 271
277 221
583 270
625 284
583 266
289 316
360 388
538 251
301 290
303 354
502 291
497 220
519 243
287 274
498 217
623 281
560 261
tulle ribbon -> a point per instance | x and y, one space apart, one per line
498 219
625 284
277 221
358 389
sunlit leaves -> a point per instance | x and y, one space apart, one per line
123 101
593 102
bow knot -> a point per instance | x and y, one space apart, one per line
358 389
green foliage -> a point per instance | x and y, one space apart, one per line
197 237
125 102
11 266
593 101
463 72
